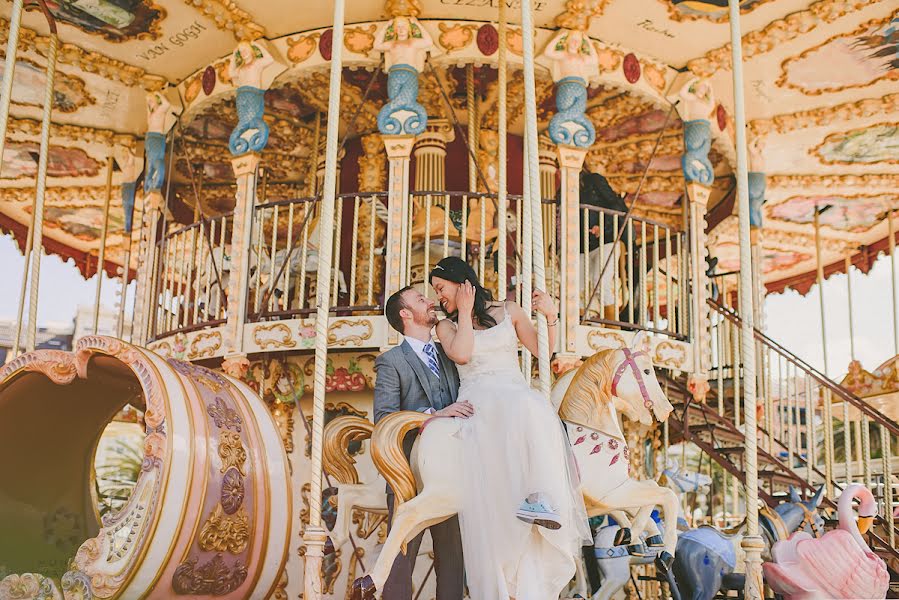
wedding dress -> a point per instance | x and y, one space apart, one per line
514 446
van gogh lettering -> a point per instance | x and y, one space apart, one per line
177 40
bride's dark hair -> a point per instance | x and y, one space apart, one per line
453 268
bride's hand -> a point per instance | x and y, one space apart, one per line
544 304
465 298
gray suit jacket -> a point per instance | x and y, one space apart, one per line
402 381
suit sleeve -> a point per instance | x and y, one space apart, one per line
387 388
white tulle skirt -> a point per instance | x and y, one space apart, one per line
515 445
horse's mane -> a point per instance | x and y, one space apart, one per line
591 386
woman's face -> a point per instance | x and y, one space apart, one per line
446 293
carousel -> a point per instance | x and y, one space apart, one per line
257 178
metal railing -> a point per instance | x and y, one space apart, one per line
191 273
284 251
636 282
642 273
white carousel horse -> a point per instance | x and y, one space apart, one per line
427 490
589 399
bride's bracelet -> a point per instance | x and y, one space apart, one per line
554 323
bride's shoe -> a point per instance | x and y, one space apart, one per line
536 510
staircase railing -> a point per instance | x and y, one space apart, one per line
811 430
801 436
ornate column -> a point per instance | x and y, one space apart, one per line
248 139
405 44
430 175
757 186
574 63
430 155
481 227
695 107
548 166
548 169
372 178
160 119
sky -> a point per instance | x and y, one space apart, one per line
792 320
63 288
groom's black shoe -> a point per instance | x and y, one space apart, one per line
623 537
364 589
655 541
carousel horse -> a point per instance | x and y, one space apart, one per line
351 493
589 400
838 565
427 490
615 561
706 560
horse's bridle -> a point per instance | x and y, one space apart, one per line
809 517
630 360
779 528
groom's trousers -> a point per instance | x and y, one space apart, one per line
448 563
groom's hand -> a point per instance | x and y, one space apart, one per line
462 409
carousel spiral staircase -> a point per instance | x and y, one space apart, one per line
713 426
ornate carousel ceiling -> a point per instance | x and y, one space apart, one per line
822 99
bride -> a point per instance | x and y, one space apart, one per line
522 517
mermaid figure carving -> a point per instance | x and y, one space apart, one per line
405 44
247 64
574 63
696 105
158 110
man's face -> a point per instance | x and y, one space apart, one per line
421 308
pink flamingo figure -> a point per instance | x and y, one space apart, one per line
838 565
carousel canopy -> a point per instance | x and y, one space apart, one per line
822 105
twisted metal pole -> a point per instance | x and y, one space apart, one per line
532 199
315 533
752 543
501 193
37 218
12 48
101 259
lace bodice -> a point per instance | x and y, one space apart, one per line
495 352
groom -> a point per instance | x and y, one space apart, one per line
417 375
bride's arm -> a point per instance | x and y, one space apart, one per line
524 326
457 341
457 338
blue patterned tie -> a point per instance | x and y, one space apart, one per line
431 353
